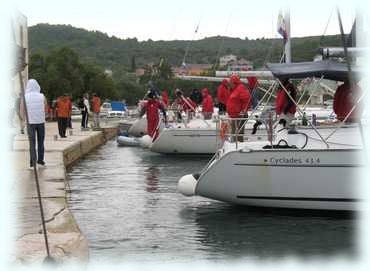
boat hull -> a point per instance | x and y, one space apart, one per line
193 141
309 179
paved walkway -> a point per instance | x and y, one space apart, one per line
65 238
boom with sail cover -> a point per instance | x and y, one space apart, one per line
327 69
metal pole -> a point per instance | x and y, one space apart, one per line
304 92
350 78
270 129
254 110
194 109
301 113
347 116
288 53
313 91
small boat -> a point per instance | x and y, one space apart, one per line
128 141
143 141
195 138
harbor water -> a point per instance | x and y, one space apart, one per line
125 201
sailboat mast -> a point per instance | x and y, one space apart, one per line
288 50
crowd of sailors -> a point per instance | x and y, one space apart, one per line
235 98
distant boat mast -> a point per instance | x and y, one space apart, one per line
288 49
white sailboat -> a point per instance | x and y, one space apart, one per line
202 136
197 138
312 169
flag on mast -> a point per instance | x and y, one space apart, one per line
281 27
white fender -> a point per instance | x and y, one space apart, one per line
186 185
146 141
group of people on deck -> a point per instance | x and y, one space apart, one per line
235 98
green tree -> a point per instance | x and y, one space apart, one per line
133 64
61 71
164 69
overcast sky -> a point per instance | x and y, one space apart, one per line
174 19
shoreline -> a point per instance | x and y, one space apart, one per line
66 240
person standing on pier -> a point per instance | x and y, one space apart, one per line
151 108
70 111
207 104
237 107
64 107
36 107
96 103
222 96
85 111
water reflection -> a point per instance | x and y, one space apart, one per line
126 204
152 174
241 231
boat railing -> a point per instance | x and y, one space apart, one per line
234 129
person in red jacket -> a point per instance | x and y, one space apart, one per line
207 104
237 106
95 106
345 98
63 109
285 107
222 96
151 108
165 98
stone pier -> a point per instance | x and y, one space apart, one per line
65 238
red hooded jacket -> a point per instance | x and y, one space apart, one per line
207 104
165 98
283 103
223 92
239 99
252 82
152 115
279 101
344 100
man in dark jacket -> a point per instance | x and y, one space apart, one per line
196 96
